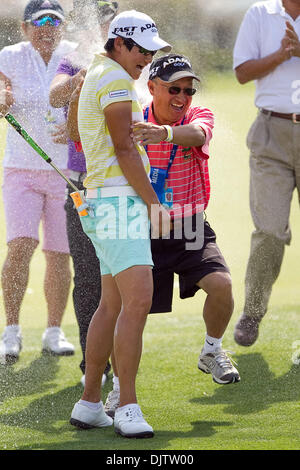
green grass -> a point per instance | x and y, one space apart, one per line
187 410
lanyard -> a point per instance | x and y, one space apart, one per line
174 148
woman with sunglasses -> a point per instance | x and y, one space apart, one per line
31 192
90 19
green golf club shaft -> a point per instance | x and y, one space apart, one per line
17 126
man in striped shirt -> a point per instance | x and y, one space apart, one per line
121 196
174 129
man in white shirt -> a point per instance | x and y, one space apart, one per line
267 50
32 191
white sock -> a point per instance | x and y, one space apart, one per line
13 328
211 344
116 383
91 405
52 328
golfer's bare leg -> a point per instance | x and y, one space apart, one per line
136 289
114 363
100 338
15 275
218 306
56 285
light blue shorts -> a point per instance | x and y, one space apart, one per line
119 230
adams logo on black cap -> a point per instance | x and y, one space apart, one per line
158 67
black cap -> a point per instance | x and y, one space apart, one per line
37 8
171 67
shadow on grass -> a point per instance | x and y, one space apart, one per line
259 387
50 413
106 439
36 378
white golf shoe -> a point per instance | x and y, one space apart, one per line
129 422
55 343
86 418
12 343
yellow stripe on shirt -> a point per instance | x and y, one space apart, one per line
106 82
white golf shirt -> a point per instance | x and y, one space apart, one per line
260 35
31 79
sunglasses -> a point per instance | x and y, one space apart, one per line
46 19
175 90
129 43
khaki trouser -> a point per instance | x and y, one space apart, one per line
274 145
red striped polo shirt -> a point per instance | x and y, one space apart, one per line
188 175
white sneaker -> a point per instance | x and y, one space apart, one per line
54 342
112 403
104 378
12 343
86 418
129 422
219 365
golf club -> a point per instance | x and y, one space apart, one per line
77 195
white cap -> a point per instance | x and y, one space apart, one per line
37 8
138 27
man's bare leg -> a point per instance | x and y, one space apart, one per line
217 312
219 302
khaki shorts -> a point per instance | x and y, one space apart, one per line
274 144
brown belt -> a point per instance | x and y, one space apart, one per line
292 116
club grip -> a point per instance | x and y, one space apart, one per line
80 203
